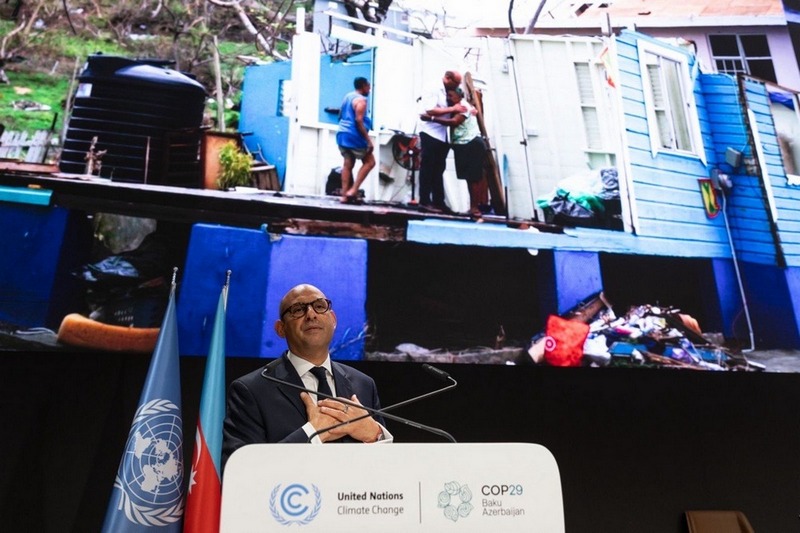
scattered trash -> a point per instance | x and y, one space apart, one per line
647 335
130 288
563 345
28 105
589 198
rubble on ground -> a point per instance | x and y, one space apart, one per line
592 335
410 352
646 335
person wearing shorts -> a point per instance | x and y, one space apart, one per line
469 147
353 138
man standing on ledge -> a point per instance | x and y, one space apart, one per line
435 147
353 138
263 411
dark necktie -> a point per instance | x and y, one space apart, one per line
322 376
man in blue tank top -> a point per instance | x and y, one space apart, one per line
353 138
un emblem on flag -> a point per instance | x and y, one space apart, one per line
150 478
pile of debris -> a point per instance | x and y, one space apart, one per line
29 105
592 335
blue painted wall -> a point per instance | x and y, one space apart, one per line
787 197
213 250
746 205
339 268
35 234
336 80
724 303
264 267
772 291
261 112
567 278
774 308
42 245
667 194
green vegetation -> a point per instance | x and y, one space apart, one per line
32 87
51 58
56 44
236 165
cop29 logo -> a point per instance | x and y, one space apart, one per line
295 504
455 501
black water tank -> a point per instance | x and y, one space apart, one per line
145 116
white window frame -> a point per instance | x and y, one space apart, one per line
602 145
791 179
688 104
794 179
590 104
742 58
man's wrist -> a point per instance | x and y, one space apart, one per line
379 437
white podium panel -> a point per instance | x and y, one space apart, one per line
388 488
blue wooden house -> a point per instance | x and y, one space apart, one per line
668 129
753 243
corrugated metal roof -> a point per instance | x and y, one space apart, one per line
682 8
653 13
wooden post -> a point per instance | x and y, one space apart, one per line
218 83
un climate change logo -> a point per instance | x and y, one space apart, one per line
455 500
151 475
293 505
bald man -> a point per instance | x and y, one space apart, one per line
263 411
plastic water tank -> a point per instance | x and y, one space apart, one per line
146 118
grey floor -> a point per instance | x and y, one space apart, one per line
776 360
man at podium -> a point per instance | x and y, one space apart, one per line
278 403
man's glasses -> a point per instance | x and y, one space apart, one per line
320 306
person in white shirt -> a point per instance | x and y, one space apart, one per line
434 143
263 411
469 146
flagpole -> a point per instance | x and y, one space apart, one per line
148 488
205 482
225 289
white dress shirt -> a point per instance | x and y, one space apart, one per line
433 99
303 368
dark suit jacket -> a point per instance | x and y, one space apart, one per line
262 411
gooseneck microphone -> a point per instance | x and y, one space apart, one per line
436 372
440 374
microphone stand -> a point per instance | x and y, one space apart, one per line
371 411
438 373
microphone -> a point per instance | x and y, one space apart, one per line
441 374
436 372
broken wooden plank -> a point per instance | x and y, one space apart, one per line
38 147
14 166
22 146
295 226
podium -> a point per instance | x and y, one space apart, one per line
402 488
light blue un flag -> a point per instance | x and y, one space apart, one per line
148 489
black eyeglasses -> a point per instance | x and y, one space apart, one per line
320 306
